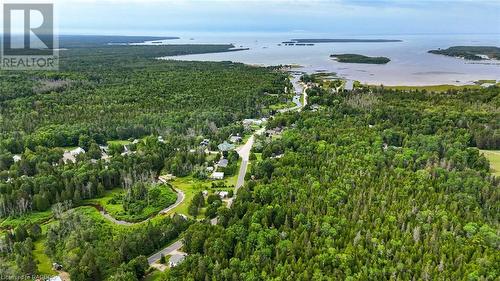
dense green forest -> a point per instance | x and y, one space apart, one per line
103 94
375 185
355 58
118 92
469 52
93 249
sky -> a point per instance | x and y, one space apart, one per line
362 17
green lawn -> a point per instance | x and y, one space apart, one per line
103 201
156 275
44 263
119 142
282 105
232 180
494 157
259 156
94 214
190 186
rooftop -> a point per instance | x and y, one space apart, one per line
225 146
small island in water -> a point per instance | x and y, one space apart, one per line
470 52
355 58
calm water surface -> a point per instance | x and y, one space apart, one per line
410 63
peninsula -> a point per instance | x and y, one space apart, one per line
470 52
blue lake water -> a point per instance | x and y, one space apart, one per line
410 63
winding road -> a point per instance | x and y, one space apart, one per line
180 198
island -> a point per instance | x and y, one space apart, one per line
355 58
470 52
345 40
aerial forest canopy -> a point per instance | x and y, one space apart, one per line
102 98
375 185
369 184
120 92
117 93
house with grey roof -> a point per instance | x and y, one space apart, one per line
223 163
176 259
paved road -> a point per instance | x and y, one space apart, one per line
115 221
244 152
304 92
180 198
242 174
296 99
177 245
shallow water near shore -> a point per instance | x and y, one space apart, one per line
410 63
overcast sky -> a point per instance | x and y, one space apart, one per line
172 17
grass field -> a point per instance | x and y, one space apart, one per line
119 142
282 106
37 217
44 263
190 186
103 201
94 214
156 275
494 157
118 212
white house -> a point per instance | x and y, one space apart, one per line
176 259
218 176
16 158
235 139
223 194
349 85
249 122
70 156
